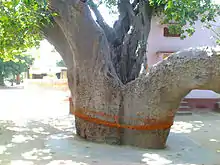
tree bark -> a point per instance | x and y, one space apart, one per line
96 84
28 73
158 93
18 79
128 38
97 87
2 82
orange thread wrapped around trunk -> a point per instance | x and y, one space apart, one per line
149 124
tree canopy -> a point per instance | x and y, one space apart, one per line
21 64
21 21
9 69
20 24
178 12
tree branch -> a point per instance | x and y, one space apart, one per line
126 14
131 59
55 36
146 12
137 62
86 39
128 55
170 80
157 94
135 3
109 32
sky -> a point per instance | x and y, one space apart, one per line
110 19
45 55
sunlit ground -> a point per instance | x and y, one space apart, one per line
32 103
35 129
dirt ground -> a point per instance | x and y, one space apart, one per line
33 132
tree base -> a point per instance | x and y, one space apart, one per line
97 132
155 139
103 134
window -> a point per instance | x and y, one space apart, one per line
166 33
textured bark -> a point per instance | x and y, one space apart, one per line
97 86
128 37
2 82
159 92
18 79
109 32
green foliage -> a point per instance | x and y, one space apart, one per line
21 20
60 63
181 15
20 24
184 13
11 68
111 4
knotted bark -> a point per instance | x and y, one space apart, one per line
96 86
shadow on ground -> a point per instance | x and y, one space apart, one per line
53 141
30 134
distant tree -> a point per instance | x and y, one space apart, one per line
11 69
61 63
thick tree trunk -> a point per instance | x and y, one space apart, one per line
95 85
28 73
18 79
157 95
2 82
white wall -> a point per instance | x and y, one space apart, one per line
157 42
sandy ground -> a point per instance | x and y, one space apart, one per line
39 131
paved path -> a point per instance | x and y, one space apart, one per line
34 133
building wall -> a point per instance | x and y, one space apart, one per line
157 42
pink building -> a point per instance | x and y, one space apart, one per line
161 44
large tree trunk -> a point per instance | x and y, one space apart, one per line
96 86
2 79
18 79
157 95
128 38
2 82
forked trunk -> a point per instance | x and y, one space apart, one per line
150 99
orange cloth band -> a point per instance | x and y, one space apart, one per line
151 124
